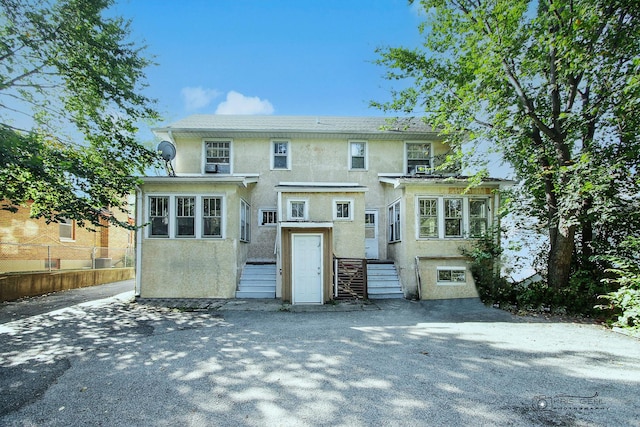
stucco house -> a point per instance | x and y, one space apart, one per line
281 201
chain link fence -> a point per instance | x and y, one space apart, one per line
17 257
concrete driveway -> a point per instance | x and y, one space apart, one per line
116 363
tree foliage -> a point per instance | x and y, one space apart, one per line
71 87
553 86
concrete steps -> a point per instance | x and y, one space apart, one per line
257 281
383 281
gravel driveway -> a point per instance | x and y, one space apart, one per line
117 363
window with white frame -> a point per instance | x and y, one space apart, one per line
418 155
159 216
211 217
217 156
342 210
185 217
280 155
245 221
453 217
428 217
478 218
394 222
451 276
357 155
66 229
268 217
297 210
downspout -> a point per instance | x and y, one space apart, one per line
139 220
278 253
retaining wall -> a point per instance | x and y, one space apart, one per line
15 286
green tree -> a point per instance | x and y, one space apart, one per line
553 86
71 87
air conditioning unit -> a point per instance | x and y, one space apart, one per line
211 168
421 170
217 168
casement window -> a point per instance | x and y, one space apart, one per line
452 217
418 157
342 210
478 218
67 229
357 155
245 221
185 217
159 216
280 156
394 222
211 217
268 217
428 218
297 210
217 156
451 276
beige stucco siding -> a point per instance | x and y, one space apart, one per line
182 268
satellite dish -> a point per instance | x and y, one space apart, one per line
167 150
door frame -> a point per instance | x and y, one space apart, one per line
293 268
287 260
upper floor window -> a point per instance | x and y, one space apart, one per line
297 210
66 229
280 158
217 156
342 210
268 217
357 155
418 155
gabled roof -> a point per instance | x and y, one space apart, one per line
275 126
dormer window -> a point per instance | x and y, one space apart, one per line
217 156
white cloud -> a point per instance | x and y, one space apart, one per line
237 103
197 97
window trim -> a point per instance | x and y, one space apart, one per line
335 203
450 282
172 216
272 156
365 156
306 209
204 153
406 154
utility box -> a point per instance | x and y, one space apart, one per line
103 262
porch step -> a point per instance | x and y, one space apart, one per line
257 281
383 281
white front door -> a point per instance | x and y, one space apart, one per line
371 234
306 268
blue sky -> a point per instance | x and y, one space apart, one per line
282 57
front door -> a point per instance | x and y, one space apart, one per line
371 234
306 268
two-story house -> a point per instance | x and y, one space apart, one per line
295 193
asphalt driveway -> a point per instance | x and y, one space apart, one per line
113 362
